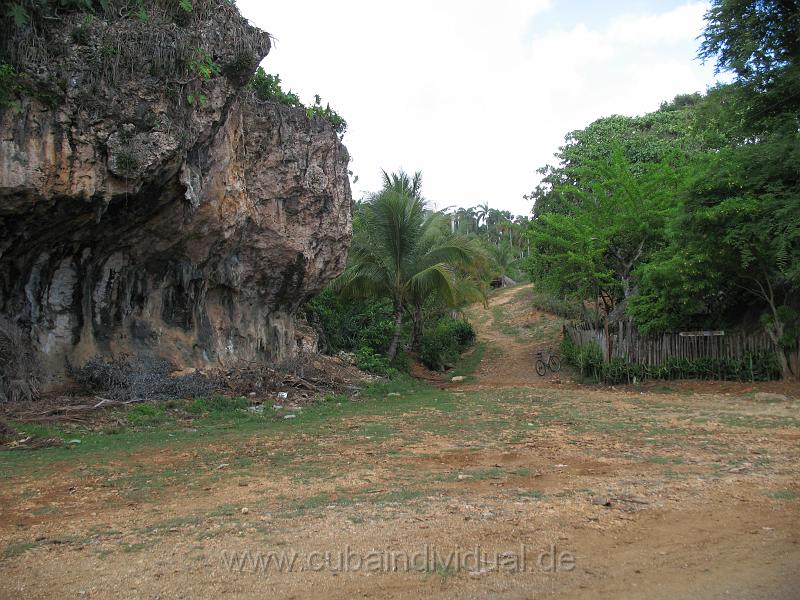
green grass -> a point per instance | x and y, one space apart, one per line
784 495
469 362
147 415
18 549
534 494
665 460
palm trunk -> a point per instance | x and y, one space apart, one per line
416 330
398 326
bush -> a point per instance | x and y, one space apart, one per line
351 325
442 344
369 360
268 87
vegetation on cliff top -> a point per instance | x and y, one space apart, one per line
268 87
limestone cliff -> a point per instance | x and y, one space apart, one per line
148 206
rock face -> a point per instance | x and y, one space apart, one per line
147 209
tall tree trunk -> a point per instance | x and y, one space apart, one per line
416 329
775 330
398 326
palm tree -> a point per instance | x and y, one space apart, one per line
481 212
503 259
402 183
402 252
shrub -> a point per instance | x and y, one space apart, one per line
11 86
268 87
369 360
351 324
442 344
327 113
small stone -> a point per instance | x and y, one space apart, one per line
245 510
290 416
457 379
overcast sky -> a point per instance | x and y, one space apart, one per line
478 94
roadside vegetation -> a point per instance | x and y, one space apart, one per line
687 218
411 271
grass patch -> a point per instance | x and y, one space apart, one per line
469 362
534 494
18 549
783 495
665 460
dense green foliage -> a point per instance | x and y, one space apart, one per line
407 271
689 217
405 253
351 324
268 87
443 343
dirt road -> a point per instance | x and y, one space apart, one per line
505 486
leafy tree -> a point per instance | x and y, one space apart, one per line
735 242
616 219
759 40
737 239
644 140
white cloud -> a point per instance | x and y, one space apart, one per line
460 91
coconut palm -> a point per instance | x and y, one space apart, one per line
403 252
481 212
503 260
404 183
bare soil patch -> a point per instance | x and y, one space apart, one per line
668 491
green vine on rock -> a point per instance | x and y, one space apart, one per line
202 66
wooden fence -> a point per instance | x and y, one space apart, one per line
653 350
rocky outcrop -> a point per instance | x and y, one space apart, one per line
150 210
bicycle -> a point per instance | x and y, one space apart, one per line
547 360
